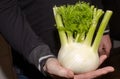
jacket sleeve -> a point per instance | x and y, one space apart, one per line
15 28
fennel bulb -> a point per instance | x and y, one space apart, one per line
78 57
76 26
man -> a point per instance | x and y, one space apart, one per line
16 17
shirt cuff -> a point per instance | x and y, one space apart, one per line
42 62
106 31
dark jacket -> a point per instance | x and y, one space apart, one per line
16 30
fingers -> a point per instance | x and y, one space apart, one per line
100 49
105 45
64 73
104 51
102 58
54 68
95 74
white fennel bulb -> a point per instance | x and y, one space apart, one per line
79 58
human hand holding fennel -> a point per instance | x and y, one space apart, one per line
105 45
96 73
54 68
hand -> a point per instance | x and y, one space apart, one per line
54 68
105 45
96 73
